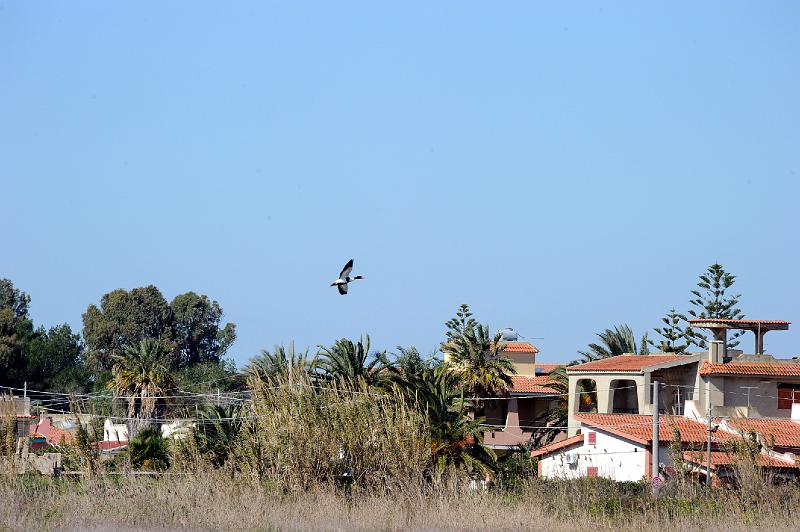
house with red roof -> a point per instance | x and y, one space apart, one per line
754 396
730 382
620 446
510 419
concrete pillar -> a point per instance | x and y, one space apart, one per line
512 417
572 405
642 386
759 341
721 335
604 396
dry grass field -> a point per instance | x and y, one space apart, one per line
217 502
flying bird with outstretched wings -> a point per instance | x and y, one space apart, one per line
344 278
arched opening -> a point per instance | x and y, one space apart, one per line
586 395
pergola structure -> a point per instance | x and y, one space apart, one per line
719 327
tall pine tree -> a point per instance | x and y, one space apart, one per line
711 301
675 338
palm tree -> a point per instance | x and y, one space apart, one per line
478 360
217 431
141 376
616 341
280 362
556 417
456 438
350 362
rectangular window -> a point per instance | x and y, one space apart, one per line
592 438
788 394
591 471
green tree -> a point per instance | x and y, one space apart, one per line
711 301
456 438
124 319
408 362
552 421
141 376
217 431
280 362
149 450
54 361
613 342
16 330
477 359
198 335
350 362
675 337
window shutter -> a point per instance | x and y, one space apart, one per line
591 471
593 438
788 394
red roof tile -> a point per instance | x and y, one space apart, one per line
547 449
520 384
640 427
720 458
546 368
778 432
747 323
520 347
751 368
108 445
632 363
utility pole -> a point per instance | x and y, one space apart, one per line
708 448
654 465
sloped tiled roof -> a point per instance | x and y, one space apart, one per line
780 432
537 384
547 449
720 458
625 363
520 347
639 428
751 368
545 368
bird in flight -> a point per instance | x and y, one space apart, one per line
344 278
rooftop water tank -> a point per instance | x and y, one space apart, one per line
509 335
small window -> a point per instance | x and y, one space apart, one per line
592 438
788 394
591 471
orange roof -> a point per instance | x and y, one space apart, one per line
626 363
639 428
720 458
520 347
520 384
751 368
547 368
744 323
779 432
547 449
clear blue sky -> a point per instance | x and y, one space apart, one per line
561 168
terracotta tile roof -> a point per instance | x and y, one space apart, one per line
720 458
632 363
547 449
542 368
520 347
639 428
780 432
746 323
109 445
751 368
538 384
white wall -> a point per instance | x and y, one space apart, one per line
614 457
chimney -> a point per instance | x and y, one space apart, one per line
716 352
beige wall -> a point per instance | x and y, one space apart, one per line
524 363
